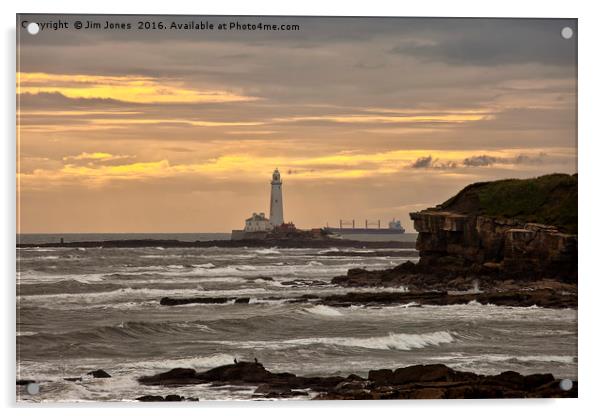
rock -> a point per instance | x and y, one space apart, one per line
380 377
168 398
173 398
150 398
428 394
548 297
533 381
167 301
419 373
177 376
507 378
100 373
242 372
433 381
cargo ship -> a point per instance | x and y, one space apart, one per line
395 227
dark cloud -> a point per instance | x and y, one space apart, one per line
482 160
486 160
492 42
429 162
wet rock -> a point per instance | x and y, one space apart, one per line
173 398
73 379
420 373
242 300
547 298
433 381
167 301
304 282
177 376
381 377
100 373
168 398
24 382
428 394
150 398
533 381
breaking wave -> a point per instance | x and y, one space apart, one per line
392 341
267 251
323 310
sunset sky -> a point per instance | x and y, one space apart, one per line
179 131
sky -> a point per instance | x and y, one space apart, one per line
366 118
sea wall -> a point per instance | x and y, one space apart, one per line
507 245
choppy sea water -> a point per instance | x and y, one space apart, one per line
84 309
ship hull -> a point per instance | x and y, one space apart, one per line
342 231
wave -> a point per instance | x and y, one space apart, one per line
323 311
204 266
197 362
45 258
267 251
392 341
501 358
330 250
139 330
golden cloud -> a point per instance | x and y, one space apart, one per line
344 165
133 89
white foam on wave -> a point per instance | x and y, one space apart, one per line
499 358
246 267
198 362
392 341
267 251
330 250
323 310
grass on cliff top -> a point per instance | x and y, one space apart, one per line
549 199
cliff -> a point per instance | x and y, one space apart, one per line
490 225
491 232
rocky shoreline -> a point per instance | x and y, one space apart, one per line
542 297
435 381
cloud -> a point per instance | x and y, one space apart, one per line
427 162
487 160
96 156
480 160
493 42
130 88
423 162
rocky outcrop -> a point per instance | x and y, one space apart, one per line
545 294
544 298
415 382
508 246
168 398
100 373
489 234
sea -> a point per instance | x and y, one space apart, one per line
83 309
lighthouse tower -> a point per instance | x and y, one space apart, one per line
276 210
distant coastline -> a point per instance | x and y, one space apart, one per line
191 240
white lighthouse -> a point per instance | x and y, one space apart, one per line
276 209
